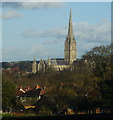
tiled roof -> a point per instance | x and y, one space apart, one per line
31 93
58 62
42 92
37 62
55 61
57 58
61 62
18 93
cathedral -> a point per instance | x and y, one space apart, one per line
69 54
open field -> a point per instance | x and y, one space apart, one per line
60 117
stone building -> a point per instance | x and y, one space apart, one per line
34 66
70 44
69 54
42 65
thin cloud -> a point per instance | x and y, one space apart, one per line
41 5
33 5
86 35
100 32
39 51
10 14
32 1
83 31
58 33
57 1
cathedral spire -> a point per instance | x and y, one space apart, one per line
70 29
70 43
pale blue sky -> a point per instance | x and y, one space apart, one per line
40 29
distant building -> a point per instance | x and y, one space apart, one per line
34 66
69 54
42 65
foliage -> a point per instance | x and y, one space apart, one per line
9 100
102 69
8 94
87 87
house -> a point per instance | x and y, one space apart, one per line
28 96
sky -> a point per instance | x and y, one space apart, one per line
39 28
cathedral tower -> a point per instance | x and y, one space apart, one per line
70 43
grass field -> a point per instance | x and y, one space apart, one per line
61 117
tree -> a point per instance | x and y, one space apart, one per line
9 100
102 69
8 97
